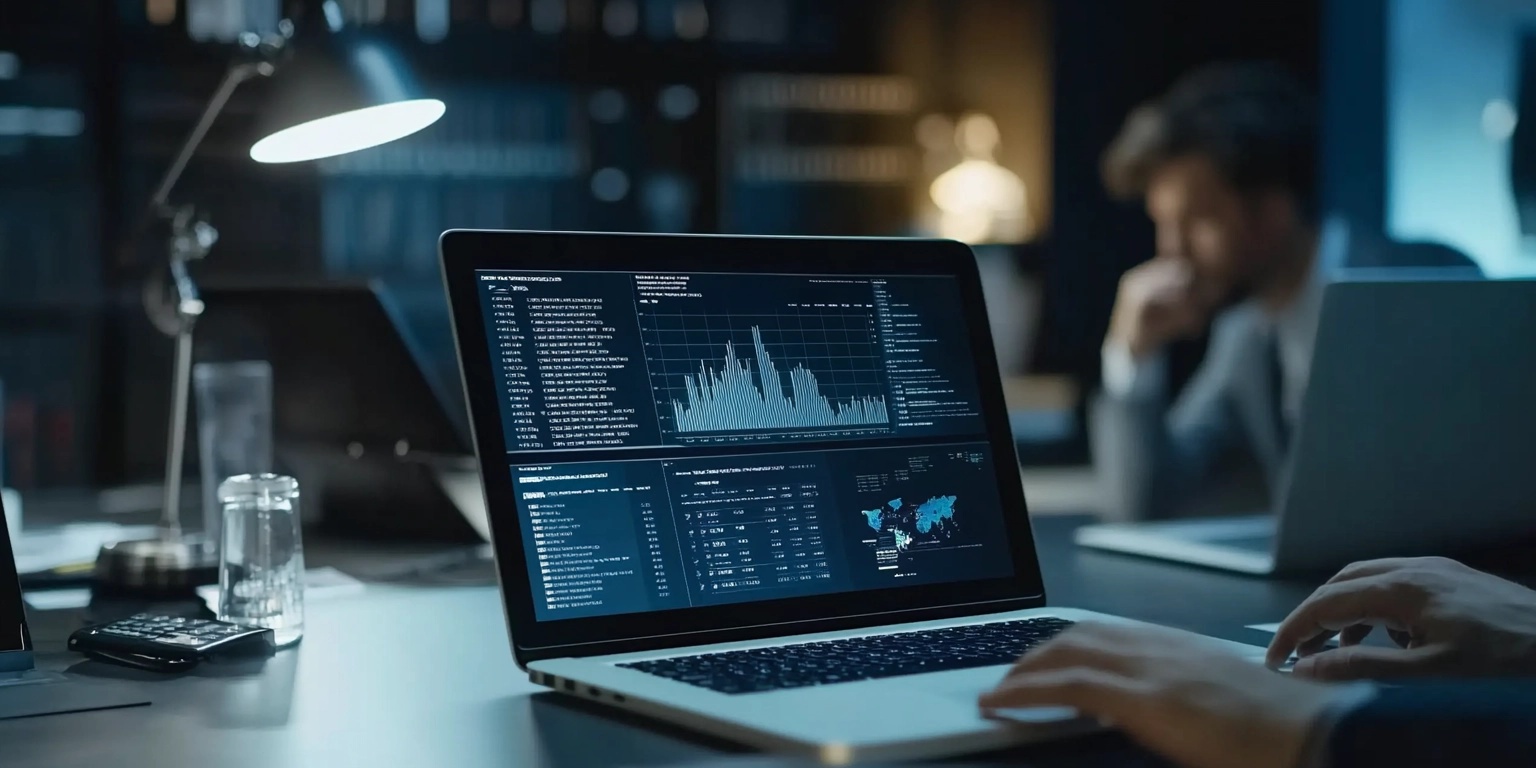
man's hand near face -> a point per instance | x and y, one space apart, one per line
1159 302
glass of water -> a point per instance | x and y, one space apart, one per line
234 429
261 559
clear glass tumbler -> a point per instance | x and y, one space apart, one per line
234 428
261 557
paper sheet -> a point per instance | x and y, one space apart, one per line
71 544
59 599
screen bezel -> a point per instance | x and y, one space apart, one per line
465 252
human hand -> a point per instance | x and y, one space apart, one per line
1445 618
1158 302
1172 692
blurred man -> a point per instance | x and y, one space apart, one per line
1175 697
1226 163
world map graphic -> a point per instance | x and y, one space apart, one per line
929 521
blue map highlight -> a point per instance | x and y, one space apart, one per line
930 519
935 511
730 400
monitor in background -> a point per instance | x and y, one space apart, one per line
362 415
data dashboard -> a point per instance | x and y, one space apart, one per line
680 440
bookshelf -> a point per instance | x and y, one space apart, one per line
751 116
50 267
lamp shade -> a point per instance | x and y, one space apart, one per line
341 92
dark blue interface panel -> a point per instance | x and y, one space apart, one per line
686 440
627 536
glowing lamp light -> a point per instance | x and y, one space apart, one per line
345 90
351 131
980 201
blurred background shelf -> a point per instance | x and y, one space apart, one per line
751 116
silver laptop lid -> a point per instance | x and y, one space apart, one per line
1418 431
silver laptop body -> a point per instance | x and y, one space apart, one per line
1417 436
871 491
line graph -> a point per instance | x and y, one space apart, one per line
801 369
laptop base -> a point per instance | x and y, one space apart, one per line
1243 544
842 723
33 694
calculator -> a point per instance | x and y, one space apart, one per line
170 643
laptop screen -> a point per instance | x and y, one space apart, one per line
681 440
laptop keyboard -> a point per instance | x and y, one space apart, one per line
859 658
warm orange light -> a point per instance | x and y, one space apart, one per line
160 12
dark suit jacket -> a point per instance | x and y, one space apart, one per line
1440 724
1150 456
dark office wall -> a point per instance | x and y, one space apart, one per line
1355 111
1110 56
50 228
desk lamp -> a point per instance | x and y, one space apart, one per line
335 93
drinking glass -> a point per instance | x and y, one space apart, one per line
261 555
234 428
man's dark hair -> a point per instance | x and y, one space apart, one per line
1255 122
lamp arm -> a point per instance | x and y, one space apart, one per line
238 73
190 240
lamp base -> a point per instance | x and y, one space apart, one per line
153 567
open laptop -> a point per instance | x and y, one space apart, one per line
761 487
24 690
15 640
1417 436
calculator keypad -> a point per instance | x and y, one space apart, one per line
175 630
168 643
